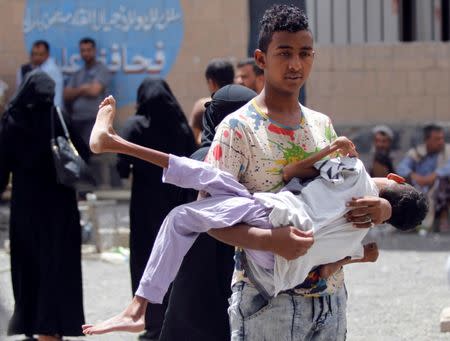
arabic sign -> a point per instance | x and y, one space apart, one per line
134 38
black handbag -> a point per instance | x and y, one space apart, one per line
71 170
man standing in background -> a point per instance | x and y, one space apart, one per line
249 75
86 89
427 166
40 58
219 72
84 92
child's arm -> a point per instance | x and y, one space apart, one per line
370 255
305 168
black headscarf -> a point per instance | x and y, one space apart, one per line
25 126
32 103
156 102
224 101
159 123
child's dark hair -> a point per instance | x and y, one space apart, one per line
280 18
409 206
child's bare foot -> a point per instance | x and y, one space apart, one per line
121 322
100 140
131 320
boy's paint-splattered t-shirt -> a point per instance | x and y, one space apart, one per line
254 148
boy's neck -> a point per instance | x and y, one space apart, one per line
281 107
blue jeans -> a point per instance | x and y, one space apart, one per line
287 317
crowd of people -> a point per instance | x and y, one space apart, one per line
426 166
251 126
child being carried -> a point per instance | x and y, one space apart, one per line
318 206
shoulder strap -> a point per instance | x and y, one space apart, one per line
52 123
63 124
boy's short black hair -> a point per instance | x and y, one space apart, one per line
250 61
88 40
281 18
409 206
220 71
42 43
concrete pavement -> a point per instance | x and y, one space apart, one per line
400 297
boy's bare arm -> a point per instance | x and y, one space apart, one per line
305 168
288 241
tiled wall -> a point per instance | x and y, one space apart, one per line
366 84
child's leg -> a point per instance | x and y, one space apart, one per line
180 229
187 173
370 255
181 172
176 235
104 139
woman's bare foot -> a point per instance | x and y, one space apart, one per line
131 320
100 140
370 255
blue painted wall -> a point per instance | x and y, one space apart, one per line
135 38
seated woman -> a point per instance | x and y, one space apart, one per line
317 206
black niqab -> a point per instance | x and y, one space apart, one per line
30 108
156 102
25 125
226 100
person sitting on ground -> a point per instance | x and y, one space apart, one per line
382 164
317 206
428 168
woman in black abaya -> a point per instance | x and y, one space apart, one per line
45 233
198 302
160 124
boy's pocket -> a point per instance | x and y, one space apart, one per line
252 303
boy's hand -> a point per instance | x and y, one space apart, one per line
368 211
289 242
344 146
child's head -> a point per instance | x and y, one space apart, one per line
409 206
